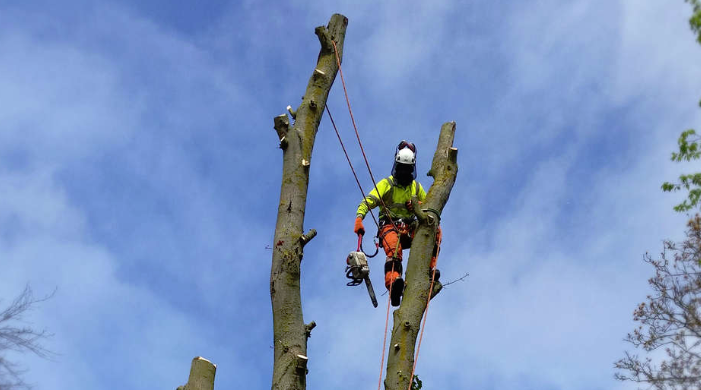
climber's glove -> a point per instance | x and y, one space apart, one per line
359 228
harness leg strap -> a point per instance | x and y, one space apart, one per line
397 265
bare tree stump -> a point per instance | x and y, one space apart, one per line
202 373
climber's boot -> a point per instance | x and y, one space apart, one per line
396 292
393 280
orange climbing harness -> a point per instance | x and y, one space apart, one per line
350 111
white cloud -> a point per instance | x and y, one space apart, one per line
68 106
92 313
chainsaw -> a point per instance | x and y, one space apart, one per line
357 270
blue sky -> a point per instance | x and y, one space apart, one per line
139 175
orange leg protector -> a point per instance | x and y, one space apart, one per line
393 271
389 237
390 240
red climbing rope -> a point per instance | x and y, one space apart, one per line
362 150
350 110
372 177
367 164
350 163
384 338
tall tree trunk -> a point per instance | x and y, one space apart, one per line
297 142
407 319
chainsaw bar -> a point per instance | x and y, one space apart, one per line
371 291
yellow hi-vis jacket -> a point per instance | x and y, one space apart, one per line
394 197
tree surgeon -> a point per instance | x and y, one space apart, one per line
397 220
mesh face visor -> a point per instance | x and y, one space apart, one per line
405 169
404 145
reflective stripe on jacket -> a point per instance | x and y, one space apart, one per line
394 197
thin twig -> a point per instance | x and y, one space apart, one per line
457 280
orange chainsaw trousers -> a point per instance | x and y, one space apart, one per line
394 240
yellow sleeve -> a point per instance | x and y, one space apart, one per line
421 193
373 199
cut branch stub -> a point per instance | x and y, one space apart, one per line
292 112
282 127
334 32
308 236
308 328
302 363
416 207
437 287
453 155
320 75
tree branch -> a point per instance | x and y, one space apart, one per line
308 236
670 318
460 279
20 338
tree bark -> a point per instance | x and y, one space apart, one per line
407 319
297 142
202 373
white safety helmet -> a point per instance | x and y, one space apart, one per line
405 156
404 159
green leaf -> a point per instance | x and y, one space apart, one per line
668 187
416 383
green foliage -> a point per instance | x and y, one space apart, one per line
416 383
695 19
688 147
688 141
689 150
